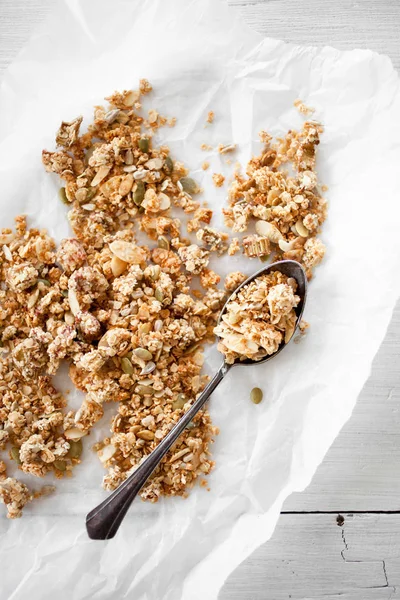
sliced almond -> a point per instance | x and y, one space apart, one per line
100 175
106 453
131 98
118 266
126 185
302 229
269 230
127 252
154 164
32 299
286 246
141 174
73 302
165 202
7 238
75 433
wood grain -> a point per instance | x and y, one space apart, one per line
311 557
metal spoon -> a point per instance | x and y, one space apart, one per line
102 523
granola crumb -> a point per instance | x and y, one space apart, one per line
302 108
206 147
224 148
205 165
15 495
234 247
218 179
210 116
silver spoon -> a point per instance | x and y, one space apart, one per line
102 522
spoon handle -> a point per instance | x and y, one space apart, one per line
102 522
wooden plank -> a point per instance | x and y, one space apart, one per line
344 24
311 557
361 471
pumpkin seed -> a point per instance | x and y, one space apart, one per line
144 144
168 164
75 449
149 368
64 293
138 194
159 294
144 390
15 454
143 353
63 196
144 328
129 157
256 395
179 402
45 282
60 465
163 242
91 192
189 185
127 366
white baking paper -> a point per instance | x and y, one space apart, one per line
200 56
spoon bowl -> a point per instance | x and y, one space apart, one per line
290 268
103 522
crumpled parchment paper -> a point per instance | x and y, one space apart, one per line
200 56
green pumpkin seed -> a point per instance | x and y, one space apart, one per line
60 465
159 294
91 192
144 328
179 402
143 354
45 282
168 164
64 293
189 185
127 366
163 242
138 194
144 144
256 395
144 390
63 196
75 449
15 454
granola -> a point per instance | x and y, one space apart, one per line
122 314
288 210
258 318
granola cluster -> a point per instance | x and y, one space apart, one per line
288 209
258 318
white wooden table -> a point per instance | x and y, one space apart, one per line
310 555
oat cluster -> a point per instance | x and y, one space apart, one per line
258 318
286 205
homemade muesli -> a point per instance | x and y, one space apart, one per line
288 209
258 318
121 313
124 314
